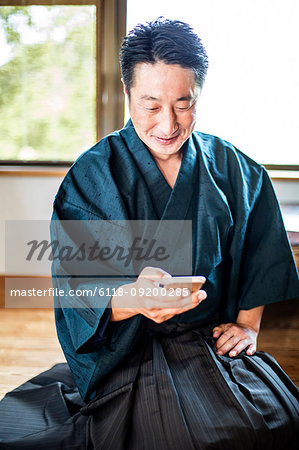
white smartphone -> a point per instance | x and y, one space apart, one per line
192 283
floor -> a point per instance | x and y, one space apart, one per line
29 344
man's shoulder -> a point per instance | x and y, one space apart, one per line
91 172
220 154
101 151
97 159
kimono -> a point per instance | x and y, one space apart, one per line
135 384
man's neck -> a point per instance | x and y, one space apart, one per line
169 166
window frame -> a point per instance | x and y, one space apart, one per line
110 28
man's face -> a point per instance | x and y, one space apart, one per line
162 106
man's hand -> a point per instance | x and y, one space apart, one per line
147 298
234 338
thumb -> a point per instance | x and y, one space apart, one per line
154 273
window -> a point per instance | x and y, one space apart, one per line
53 77
251 94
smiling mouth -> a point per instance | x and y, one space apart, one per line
165 141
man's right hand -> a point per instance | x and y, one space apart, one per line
145 297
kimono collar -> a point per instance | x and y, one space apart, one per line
170 204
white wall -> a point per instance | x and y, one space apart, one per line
25 198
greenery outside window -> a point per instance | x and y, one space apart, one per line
53 77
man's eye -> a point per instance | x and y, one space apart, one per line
183 108
152 109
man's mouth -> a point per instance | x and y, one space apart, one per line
166 141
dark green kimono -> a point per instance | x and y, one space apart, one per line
239 242
163 387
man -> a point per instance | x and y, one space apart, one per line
163 99
153 373
157 168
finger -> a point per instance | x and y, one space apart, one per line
176 303
197 298
225 335
161 314
157 299
163 299
239 347
150 296
201 295
154 273
155 315
217 331
251 350
192 301
229 344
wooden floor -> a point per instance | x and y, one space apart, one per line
29 344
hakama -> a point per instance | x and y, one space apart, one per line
172 392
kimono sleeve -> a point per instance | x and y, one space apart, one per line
92 345
268 271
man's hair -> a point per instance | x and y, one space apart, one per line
169 41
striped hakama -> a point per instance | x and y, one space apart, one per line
172 392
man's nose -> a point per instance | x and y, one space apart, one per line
168 122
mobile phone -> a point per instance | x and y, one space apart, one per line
192 283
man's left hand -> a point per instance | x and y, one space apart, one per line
233 338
